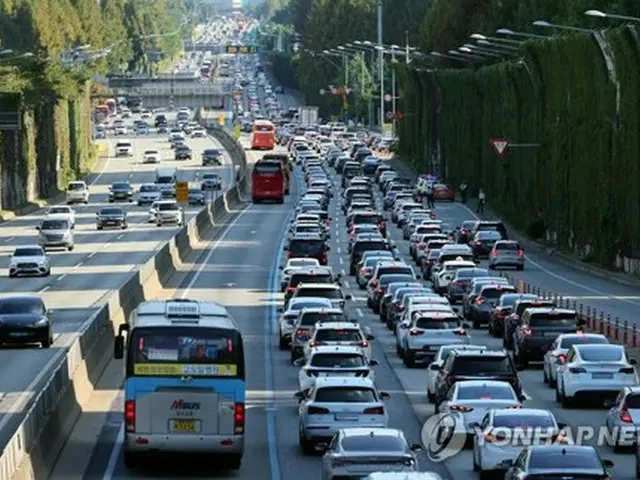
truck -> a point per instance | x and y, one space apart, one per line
307 115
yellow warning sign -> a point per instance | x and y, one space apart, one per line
236 130
221 119
182 192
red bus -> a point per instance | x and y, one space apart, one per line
267 181
263 135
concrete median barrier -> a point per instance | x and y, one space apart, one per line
34 447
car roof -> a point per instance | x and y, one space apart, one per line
326 310
326 286
482 383
326 349
313 270
551 310
295 300
515 412
482 353
32 245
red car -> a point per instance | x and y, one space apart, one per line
444 192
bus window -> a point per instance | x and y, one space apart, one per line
263 135
268 181
111 105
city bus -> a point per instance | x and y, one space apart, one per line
100 113
286 163
184 381
263 135
267 181
112 105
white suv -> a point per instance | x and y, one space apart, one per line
77 192
339 334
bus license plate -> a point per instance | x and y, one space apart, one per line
185 426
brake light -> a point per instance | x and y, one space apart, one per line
400 307
577 370
317 410
362 343
238 418
314 343
625 416
374 282
130 415
414 333
301 331
461 332
477 244
561 358
479 301
289 254
521 253
459 408
500 315
490 437
365 271
379 290
290 289
526 331
493 252
374 411
421 245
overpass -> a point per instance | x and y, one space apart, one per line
218 49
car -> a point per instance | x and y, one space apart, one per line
77 192
461 282
483 243
292 266
289 318
507 253
559 461
502 310
29 260
335 403
623 418
56 233
124 148
360 246
198 132
24 319
435 366
557 353
490 456
182 152
196 196
386 302
366 267
122 191
151 156
111 217
148 193
168 212
142 129
333 361
304 324
488 295
308 246
356 452
331 291
211 181
376 293
447 273
63 211
338 333
594 372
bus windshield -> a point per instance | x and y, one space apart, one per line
268 168
180 351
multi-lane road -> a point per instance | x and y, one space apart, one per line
100 262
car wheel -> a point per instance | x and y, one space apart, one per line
70 248
13 275
158 224
124 227
99 227
47 343
283 343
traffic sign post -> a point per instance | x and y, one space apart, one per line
389 115
500 145
182 192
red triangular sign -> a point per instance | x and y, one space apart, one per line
499 145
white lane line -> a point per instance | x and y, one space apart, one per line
91 254
360 314
106 245
347 284
42 290
7 240
340 260
339 250
61 277
343 272
120 236
78 265
560 277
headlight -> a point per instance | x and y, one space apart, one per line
13 264
41 263
42 321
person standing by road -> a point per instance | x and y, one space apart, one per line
430 201
463 191
481 200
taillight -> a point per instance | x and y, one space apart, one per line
317 410
627 370
500 315
414 333
490 437
238 418
313 343
379 290
577 370
561 359
460 408
374 411
130 415
477 244
625 416
526 331
461 332
324 257
493 252
421 245
374 282
301 331
479 301
521 253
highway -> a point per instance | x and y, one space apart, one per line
100 262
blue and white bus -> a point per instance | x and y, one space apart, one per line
184 381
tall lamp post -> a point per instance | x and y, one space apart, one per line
381 60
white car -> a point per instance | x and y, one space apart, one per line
288 318
470 400
145 115
29 260
63 211
124 148
407 327
148 194
334 361
422 303
120 130
438 361
594 370
151 156
77 192
443 277
489 457
168 212
338 334
557 353
624 417
294 264
198 132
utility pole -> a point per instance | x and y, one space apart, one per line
380 60
393 88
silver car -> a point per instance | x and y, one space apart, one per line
334 403
427 332
506 253
288 318
56 233
623 418
356 452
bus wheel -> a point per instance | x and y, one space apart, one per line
234 462
254 200
281 200
132 460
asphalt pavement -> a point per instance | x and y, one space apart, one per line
99 263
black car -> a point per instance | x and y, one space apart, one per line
484 365
489 225
309 246
25 320
211 156
513 320
162 128
361 246
370 165
111 217
503 309
538 329
121 191
182 152
463 233
160 120
382 285
483 243
479 310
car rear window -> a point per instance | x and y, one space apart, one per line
337 360
368 219
567 342
495 292
482 366
553 320
561 459
600 354
512 247
522 306
369 443
437 324
396 270
448 257
338 335
298 278
345 395
520 421
313 318
485 392
306 247
387 279
468 273
370 245
332 293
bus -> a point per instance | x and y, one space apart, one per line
184 382
267 181
112 105
100 113
286 163
263 135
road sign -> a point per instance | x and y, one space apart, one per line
322 91
387 98
236 131
221 119
182 192
500 145
389 115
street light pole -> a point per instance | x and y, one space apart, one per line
381 60
393 88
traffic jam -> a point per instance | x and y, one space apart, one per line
366 263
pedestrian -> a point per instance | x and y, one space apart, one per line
430 202
481 200
463 191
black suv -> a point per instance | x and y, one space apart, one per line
183 152
503 309
463 365
512 321
364 245
211 156
539 327
309 246
489 225
111 217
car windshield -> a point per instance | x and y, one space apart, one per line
28 252
10 306
313 318
306 247
166 207
332 293
54 225
112 211
366 219
121 186
567 342
210 176
437 324
148 188
337 360
195 191
341 335
212 153
373 443
371 262
345 395
485 392
596 353
522 420
480 365
564 459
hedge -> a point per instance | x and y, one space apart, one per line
579 187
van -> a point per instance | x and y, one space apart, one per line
166 180
56 233
77 192
124 148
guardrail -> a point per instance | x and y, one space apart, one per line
51 413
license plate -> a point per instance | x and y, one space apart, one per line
185 426
602 376
346 417
18 334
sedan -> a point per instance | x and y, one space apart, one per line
111 217
120 191
25 320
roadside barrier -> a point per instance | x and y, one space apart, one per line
75 370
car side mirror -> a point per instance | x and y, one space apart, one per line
416 447
384 395
434 367
299 362
633 361
118 347
373 363
281 267
608 463
348 296
519 368
370 337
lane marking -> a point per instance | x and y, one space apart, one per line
347 284
343 272
42 290
91 254
61 277
120 236
360 314
339 250
7 240
340 260
79 264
